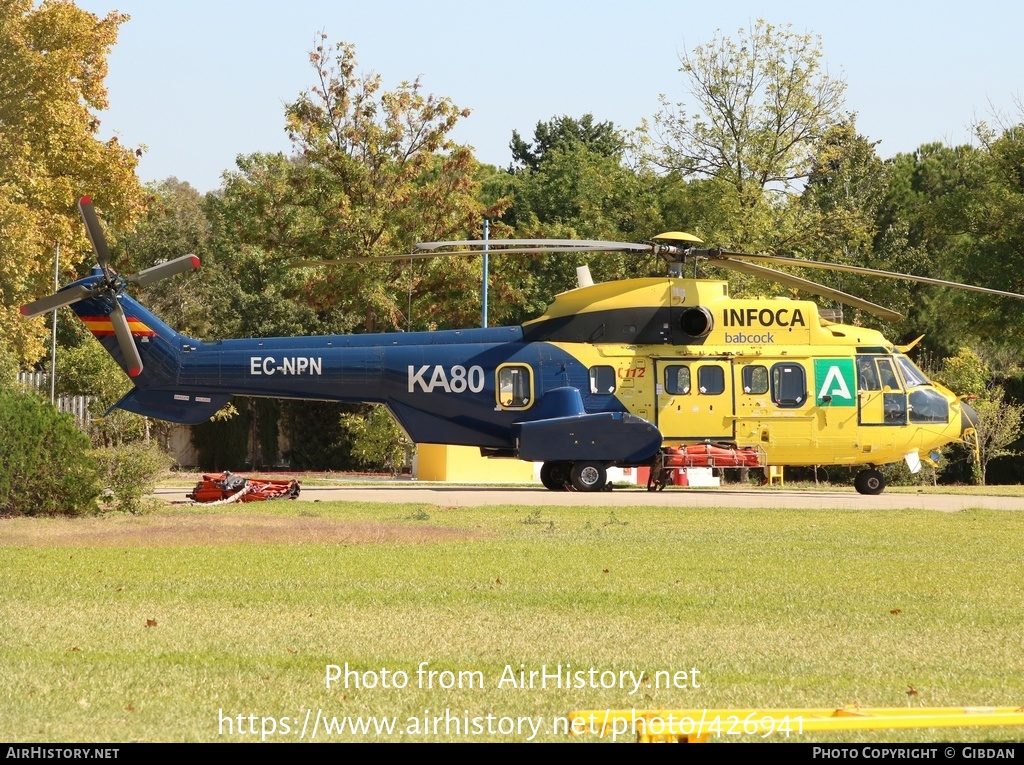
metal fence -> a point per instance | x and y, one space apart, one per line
77 406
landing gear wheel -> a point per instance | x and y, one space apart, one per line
588 476
869 482
554 475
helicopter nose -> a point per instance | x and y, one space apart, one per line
968 417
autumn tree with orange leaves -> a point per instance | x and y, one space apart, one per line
53 62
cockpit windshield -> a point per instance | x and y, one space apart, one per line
913 376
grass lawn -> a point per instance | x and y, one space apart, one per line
222 623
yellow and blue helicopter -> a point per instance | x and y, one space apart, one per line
664 372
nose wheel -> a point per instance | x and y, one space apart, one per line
869 482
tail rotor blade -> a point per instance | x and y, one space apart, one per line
57 300
162 271
95 231
132 359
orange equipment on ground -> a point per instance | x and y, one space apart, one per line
671 459
224 488
706 455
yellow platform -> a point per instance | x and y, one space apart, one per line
463 464
700 725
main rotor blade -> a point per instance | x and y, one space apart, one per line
379 258
714 255
596 245
132 359
453 253
155 273
57 300
808 286
95 232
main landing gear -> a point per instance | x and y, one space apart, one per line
581 476
869 481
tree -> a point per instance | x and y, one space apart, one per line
570 181
88 370
844 189
839 215
376 171
996 219
758 108
565 132
932 222
53 60
574 193
965 373
173 224
999 425
999 420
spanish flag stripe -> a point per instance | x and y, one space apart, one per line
102 325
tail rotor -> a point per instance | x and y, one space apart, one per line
109 286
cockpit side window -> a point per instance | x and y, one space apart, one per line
887 375
867 375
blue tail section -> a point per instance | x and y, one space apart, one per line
156 393
442 387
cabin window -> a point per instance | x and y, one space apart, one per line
755 380
677 380
515 386
789 385
711 380
602 380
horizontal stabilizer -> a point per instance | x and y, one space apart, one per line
186 408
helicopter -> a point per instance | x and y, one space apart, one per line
665 372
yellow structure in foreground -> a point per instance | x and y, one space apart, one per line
699 725
463 464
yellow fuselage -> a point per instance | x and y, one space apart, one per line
768 373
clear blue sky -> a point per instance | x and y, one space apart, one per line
199 83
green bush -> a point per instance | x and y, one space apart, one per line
130 471
46 467
8 367
377 440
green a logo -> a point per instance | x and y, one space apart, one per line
834 378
